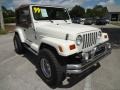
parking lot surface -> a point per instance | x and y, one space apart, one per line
18 72
106 26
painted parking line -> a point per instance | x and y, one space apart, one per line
88 85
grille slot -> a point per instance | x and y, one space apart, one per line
89 39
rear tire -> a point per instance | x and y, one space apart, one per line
18 44
56 71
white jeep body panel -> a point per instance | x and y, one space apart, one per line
59 42
54 34
59 29
21 33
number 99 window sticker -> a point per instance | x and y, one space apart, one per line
39 10
36 10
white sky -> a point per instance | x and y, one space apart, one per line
65 3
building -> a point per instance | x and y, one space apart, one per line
113 12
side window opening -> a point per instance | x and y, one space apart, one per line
23 17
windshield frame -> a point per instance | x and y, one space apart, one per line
47 18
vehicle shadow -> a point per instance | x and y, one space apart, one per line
114 35
73 79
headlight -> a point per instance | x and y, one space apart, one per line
99 34
78 40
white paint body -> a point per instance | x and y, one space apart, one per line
54 34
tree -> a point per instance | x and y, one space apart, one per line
100 11
90 13
4 11
11 13
77 11
7 13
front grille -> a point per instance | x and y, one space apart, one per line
89 39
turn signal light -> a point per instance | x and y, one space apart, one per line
72 47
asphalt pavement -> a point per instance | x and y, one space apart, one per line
19 72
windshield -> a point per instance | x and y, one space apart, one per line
49 13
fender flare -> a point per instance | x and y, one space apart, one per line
21 34
55 43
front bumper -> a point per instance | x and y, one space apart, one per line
79 68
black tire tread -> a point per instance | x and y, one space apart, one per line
58 68
20 50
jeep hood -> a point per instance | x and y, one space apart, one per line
59 30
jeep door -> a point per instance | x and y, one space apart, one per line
25 22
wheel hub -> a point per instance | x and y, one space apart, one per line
45 67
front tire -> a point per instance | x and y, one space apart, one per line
51 71
18 44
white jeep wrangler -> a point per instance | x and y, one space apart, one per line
63 48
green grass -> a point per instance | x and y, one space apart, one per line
2 32
116 23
